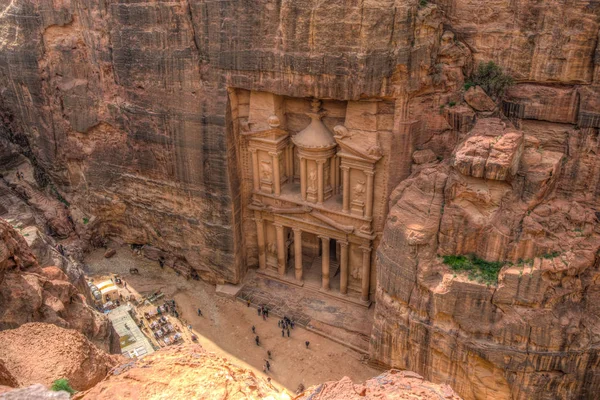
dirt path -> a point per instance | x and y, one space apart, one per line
226 327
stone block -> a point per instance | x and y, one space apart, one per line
479 100
361 115
262 106
545 103
423 156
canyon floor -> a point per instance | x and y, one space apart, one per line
225 327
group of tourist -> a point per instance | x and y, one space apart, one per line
285 324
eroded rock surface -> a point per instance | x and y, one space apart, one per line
391 385
182 372
29 293
43 353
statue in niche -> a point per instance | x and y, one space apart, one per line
266 170
359 189
312 178
272 248
356 272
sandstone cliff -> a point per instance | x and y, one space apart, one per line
29 293
125 105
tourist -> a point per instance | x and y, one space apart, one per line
264 315
253 329
265 368
257 340
266 312
292 324
307 343
282 333
268 364
279 324
258 310
199 312
248 302
190 327
269 354
288 331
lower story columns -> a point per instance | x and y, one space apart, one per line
280 249
298 253
260 237
366 273
344 267
325 262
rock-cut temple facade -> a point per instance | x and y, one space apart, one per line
313 190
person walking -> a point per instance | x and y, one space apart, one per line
269 354
288 331
199 312
268 364
258 311
292 324
257 340
279 324
282 333
253 329
248 302
307 343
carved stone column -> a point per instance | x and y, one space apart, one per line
298 253
303 177
255 176
325 262
333 174
276 173
366 273
346 189
369 206
320 181
280 249
260 238
290 163
344 267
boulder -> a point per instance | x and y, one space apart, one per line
479 100
423 156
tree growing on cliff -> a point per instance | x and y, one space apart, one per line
491 78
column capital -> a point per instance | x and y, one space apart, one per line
275 153
324 237
277 225
366 249
320 161
343 243
252 150
345 168
369 172
297 230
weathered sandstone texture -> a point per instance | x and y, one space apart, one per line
42 353
392 385
126 107
182 372
524 197
30 293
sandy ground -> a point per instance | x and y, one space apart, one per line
226 327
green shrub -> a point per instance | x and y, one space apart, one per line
479 270
85 220
423 3
490 77
62 384
452 103
551 255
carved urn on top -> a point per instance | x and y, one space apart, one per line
316 151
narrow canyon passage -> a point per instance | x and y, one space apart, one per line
225 327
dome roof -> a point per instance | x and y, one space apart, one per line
315 135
